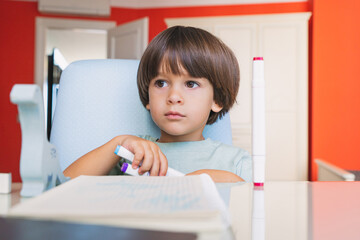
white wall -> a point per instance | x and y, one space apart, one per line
77 44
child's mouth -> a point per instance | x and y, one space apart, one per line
174 115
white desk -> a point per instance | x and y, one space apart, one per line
292 210
300 210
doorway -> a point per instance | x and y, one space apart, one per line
69 40
81 39
47 29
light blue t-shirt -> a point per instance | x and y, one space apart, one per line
188 157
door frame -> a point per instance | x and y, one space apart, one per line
43 24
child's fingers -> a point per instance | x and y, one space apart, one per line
154 171
148 159
163 164
139 153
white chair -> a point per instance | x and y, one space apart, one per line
98 100
39 165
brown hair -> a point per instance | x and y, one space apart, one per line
201 54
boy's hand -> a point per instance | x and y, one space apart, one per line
148 154
219 176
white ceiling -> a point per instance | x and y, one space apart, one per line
183 3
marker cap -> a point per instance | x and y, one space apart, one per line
124 167
258 72
124 153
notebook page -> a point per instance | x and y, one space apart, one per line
123 196
214 198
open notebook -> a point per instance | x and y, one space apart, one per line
187 204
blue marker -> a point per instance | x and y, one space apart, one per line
124 153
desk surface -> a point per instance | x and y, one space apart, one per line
281 210
21 229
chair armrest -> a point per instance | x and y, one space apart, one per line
330 172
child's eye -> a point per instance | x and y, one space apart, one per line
160 83
191 84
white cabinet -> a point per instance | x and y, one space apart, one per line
282 39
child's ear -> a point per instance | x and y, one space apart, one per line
148 106
216 107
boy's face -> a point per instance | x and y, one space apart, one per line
180 105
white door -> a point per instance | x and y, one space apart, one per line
129 40
282 39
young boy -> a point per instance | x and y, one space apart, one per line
187 78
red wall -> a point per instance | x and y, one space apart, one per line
336 83
17 28
17 43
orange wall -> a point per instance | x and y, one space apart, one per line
335 112
17 40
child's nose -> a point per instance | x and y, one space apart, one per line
174 97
